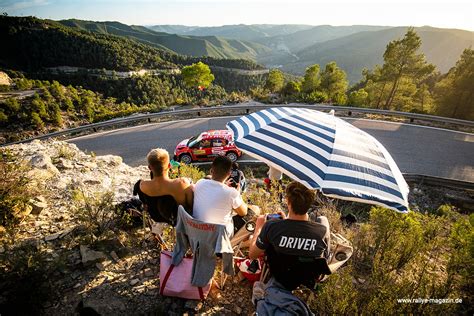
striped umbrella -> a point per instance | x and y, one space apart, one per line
323 152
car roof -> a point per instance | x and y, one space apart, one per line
216 134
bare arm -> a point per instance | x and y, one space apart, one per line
189 196
254 251
242 209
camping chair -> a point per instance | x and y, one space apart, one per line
325 267
195 232
241 238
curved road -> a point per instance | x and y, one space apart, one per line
416 149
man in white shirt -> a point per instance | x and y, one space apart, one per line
214 200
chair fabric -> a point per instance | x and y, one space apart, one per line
206 241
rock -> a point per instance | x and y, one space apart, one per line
237 310
66 232
43 161
140 289
110 160
102 265
134 282
87 164
64 164
38 204
148 272
114 256
2 249
52 237
90 256
193 305
21 212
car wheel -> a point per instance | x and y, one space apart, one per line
232 156
185 158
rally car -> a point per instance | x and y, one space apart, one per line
206 146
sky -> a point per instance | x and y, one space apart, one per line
446 14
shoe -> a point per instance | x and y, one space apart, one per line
258 292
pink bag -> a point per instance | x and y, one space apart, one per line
176 280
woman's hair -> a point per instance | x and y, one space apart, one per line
158 160
300 197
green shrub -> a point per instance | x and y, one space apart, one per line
188 171
402 256
95 211
15 190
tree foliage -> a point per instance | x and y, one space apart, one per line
311 80
197 75
334 83
455 92
275 80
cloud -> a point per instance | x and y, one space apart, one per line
11 6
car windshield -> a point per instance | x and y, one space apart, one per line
193 140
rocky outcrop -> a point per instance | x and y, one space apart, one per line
5 79
58 168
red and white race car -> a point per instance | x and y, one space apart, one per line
206 146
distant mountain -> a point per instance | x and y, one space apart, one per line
295 47
352 53
171 29
296 41
185 45
241 31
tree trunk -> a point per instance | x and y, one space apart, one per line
380 96
392 92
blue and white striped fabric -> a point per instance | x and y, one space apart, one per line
323 152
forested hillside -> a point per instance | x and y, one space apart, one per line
355 52
252 32
353 48
212 46
33 43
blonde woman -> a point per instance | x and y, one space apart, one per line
162 195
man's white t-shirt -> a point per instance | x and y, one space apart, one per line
214 202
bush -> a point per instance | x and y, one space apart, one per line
188 171
315 97
402 256
15 190
95 211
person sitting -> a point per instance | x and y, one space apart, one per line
214 200
162 195
294 243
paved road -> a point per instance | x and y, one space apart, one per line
416 149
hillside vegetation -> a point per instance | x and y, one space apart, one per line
212 46
353 48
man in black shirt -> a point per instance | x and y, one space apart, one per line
294 244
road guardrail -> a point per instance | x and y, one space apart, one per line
246 109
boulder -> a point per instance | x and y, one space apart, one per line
110 160
64 164
38 204
43 161
90 256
